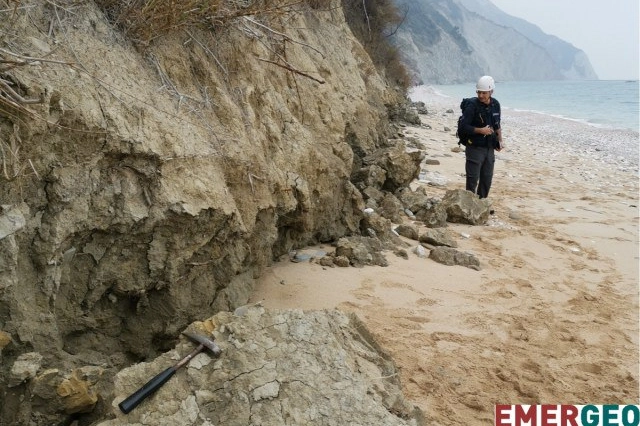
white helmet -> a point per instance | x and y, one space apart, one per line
485 83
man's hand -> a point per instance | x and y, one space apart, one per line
486 130
500 146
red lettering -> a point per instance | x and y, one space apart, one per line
502 413
522 415
548 415
568 415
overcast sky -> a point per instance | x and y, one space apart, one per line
607 31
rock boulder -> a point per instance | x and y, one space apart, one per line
276 367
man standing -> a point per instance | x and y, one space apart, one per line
481 121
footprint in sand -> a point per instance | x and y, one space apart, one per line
505 294
589 368
426 302
417 319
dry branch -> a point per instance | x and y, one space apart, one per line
28 60
9 92
206 49
284 36
293 70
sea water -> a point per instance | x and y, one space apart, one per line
602 116
602 103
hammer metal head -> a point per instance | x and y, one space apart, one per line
205 341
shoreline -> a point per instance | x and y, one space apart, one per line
551 317
615 145
585 107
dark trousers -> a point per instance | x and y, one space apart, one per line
479 169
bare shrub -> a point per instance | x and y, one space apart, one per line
373 22
145 20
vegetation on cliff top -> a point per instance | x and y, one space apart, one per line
143 21
372 21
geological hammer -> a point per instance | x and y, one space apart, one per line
154 384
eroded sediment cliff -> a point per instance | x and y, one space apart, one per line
147 188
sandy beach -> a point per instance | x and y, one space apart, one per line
551 317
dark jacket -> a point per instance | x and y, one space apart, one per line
477 114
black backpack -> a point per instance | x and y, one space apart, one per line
463 138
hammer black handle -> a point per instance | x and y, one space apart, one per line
147 389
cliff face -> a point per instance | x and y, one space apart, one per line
454 41
147 189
